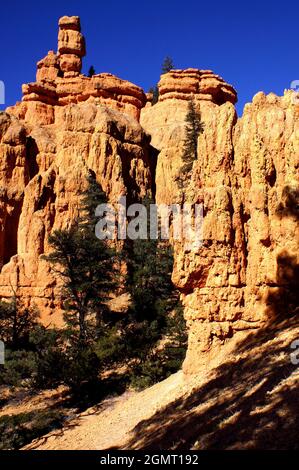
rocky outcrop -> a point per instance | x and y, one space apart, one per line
71 46
202 84
246 176
48 68
66 126
59 82
43 171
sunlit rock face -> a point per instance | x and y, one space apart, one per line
66 125
246 176
59 82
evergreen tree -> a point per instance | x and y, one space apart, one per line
90 199
167 65
86 265
33 354
154 302
175 348
149 272
155 92
91 71
193 127
50 359
16 322
165 353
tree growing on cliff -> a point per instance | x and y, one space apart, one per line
193 127
86 266
91 71
154 90
167 65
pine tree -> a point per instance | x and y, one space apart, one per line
193 127
149 270
90 199
155 93
91 71
167 65
86 266
177 338
154 299
16 322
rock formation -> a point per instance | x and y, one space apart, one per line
246 176
48 68
59 82
202 84
71 46
66 125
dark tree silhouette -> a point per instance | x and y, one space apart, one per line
155 93
167 65
91 71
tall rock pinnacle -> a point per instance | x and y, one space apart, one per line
71 46
59 82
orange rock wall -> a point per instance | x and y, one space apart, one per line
43 171
246 176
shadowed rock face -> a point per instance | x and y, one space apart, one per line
246 176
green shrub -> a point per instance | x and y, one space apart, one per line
19 365
18 430
109 347
81 367
50 357
16 322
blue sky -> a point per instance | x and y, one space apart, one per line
252 45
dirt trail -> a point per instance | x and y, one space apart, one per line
109 424
246 396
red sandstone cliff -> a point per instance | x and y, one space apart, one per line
247 178
246 175
66 125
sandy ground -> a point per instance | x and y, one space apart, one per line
110 424
245 397
21 401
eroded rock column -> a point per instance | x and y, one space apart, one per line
246 175
71 46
